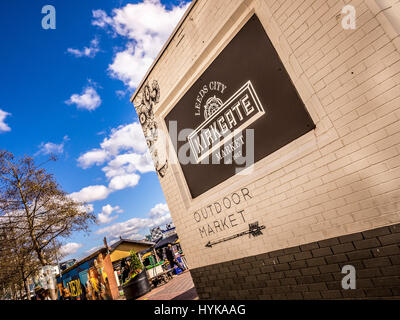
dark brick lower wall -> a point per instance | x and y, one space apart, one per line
310 271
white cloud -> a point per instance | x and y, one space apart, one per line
125 181
49 147
70 248
89 99
52 148
126 153
105 215
135 228
101 192
128 137
147 25
124 138
131 65
101 19
129 163
159 210
89 52
91 193
3 126
95 156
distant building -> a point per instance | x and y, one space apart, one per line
169 231
66 264
158 233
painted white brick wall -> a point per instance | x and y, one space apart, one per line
343 177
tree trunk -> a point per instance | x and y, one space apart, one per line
15 292
27 291
39 252
25 285
21 290
35 242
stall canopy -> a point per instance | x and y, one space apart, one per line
147 255
166 241
143 252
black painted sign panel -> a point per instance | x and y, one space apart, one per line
241 109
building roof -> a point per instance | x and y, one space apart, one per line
164 242
146 250
144 242
68 261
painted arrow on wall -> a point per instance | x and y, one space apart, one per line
254 230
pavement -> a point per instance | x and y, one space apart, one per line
181 287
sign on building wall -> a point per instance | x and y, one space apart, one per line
241 109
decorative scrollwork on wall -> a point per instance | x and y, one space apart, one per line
150 97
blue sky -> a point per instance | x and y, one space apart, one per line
66 91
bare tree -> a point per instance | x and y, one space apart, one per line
33 203
18 261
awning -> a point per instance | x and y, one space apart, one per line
164 242
147 255
143 252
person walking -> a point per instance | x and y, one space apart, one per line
171 258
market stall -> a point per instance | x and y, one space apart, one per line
156 269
